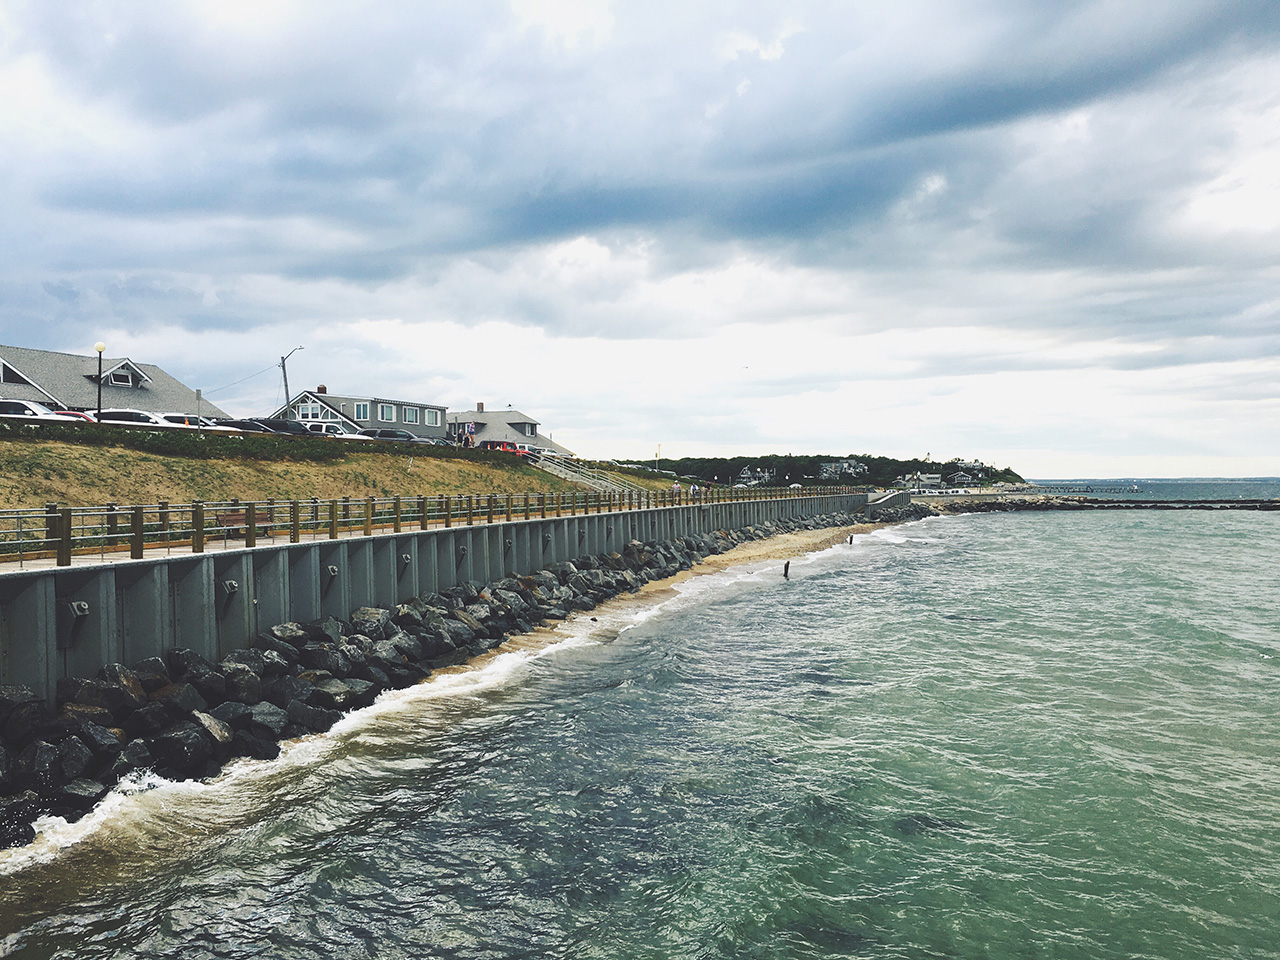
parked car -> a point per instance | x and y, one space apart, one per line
77 415
280 425
502 446
386 433
244 426
139 417
200 423
337 430
29 409
530 451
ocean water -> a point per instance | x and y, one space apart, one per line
1008 735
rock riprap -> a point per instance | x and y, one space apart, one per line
183 717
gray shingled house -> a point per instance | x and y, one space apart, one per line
356 413
510 425
69 381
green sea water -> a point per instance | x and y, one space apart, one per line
1025 735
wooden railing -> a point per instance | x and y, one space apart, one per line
63 532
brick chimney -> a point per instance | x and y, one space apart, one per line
322 389
479 408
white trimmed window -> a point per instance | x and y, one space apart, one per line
362 411
409 414
433 418
387 412
309 411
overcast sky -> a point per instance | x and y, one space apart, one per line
1044 235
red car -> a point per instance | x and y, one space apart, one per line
502 446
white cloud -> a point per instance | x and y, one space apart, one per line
731 45
1006 231
569 22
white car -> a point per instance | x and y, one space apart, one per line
140 418
333 430
30 410
200 423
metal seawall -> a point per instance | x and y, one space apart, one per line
70 621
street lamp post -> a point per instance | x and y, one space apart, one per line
100 347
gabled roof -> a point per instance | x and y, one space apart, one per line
70 381
111 366
310 396
508 415
499 425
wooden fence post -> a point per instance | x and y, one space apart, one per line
136 537
64 537
197 527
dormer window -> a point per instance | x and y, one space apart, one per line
10 375
121 378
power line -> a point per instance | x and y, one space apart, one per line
238 382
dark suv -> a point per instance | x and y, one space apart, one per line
389 434
277 425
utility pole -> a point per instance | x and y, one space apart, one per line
100 346
285 373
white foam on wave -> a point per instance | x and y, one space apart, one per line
134 796
132 800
